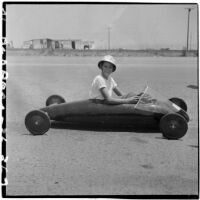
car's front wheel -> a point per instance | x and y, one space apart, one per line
173 126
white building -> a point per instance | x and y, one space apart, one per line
57 44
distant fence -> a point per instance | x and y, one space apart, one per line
114 52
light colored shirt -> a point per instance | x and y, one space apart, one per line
100 82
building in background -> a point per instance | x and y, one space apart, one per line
9 45
88 45
28 44
57 44
38 44
65 44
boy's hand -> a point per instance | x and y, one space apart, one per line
133 99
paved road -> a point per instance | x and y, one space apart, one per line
82 162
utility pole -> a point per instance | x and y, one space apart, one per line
188 26
190 41
108 38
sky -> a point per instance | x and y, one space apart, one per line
130 26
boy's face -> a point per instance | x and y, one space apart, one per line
107 68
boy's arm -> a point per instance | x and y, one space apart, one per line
124 96
117 91
114 101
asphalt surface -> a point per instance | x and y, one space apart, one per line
94 162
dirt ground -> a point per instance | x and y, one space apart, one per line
82 162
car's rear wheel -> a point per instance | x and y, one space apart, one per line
173 126
179 102
37 122
54 99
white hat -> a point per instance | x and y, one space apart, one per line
109 59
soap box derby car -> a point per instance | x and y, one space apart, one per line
170 116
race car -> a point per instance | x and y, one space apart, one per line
168 115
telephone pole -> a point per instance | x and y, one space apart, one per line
108 38
188 26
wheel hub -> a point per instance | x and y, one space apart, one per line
173 125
